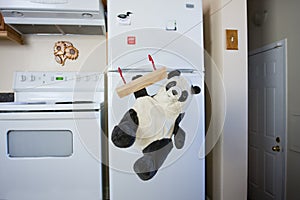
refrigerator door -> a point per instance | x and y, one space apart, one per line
180 16
174 26
182 175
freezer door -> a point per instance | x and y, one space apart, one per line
174 26
181 175
181 17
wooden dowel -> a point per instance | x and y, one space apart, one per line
142 82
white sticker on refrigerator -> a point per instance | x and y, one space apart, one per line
171 25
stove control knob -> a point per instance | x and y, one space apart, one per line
32 78
23 78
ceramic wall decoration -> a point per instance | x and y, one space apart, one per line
64 50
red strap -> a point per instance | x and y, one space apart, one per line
152 61
121 74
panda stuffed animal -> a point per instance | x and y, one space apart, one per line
152 124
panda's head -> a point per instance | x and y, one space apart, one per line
177 90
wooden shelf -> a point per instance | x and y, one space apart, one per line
11 35
6 32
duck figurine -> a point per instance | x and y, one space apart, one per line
124 18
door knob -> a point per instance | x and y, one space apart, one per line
276 148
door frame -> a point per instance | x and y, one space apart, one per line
283 44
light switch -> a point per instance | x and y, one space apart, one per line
232 39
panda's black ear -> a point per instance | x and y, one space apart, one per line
173 73
195 89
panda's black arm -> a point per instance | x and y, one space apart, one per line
177 121
178 132
142 92
179 118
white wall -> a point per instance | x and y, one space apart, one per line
37 55
228 160
282 21
236 86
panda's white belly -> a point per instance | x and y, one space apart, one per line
155 122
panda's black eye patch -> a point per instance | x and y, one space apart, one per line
171 84
184 96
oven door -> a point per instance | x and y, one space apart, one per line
50 155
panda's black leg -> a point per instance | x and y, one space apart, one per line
123 135
154 156
178 132
179 138
142 92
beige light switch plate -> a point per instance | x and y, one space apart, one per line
232 39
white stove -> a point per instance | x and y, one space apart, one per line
50 137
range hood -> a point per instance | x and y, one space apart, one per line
54 16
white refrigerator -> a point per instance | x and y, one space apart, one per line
156 134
